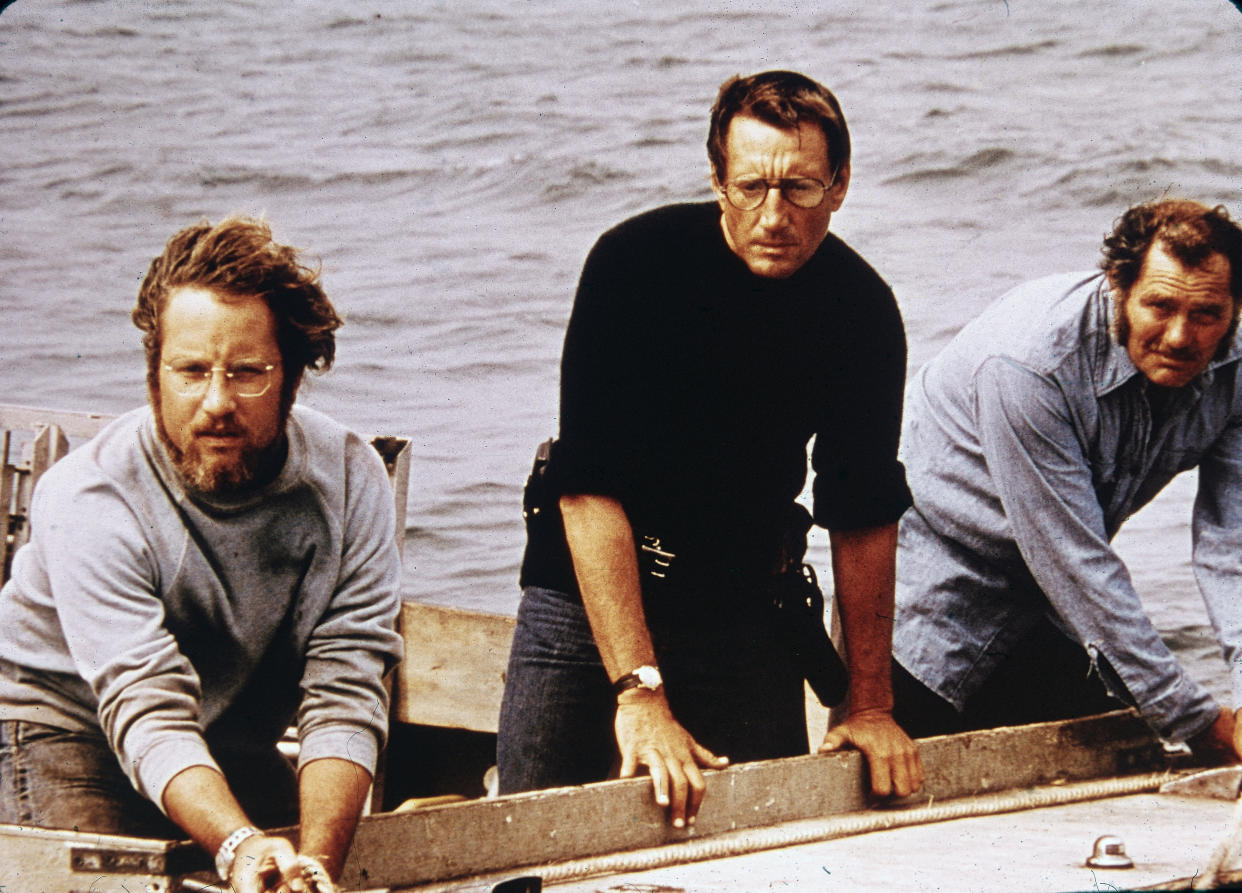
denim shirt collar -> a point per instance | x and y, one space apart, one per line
1117 369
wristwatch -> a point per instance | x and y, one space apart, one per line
227 854
646 676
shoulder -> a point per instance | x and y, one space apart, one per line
837 261
114 454
665 227
1042 324
331 453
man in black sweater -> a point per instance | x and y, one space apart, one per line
708 344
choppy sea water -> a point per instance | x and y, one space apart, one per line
451 163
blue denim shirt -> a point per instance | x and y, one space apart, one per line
1028 442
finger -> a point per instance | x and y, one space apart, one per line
916 770
677 794
698 787
659 781
903 782
705 757
881 776
629 765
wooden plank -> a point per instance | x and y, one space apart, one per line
73 424
8 485
48 447
507 833
37 859
395 451
454 667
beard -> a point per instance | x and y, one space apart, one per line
233 475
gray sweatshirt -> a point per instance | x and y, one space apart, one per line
180 627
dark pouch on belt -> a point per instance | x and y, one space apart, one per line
800 608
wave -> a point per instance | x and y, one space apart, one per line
981 160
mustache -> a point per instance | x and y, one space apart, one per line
1179 354
225 429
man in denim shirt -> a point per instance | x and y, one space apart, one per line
1048 421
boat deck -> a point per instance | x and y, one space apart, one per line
1169 839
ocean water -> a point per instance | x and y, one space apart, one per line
451 164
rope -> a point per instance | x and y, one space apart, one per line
814 830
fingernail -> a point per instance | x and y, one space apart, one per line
679 823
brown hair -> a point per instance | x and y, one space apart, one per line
783 99
1190 231
237 257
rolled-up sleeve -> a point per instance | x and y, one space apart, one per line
859 482
1036 459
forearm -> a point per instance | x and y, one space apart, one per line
864 572
198 799
601 543
332 794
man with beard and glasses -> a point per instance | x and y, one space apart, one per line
203 573
1046 423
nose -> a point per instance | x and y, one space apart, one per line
773 212
218 398
1177 332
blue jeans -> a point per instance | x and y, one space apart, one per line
53 778
726 677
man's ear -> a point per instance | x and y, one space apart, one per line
718 188
836 192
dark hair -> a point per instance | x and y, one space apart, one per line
783 99
1188 230
237 257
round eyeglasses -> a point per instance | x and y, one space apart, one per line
748 193
246 379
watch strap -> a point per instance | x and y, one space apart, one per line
227 854
644 677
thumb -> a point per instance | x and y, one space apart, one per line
835 738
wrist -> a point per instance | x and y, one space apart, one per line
640 696
226 853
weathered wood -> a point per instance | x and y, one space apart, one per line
454 667
508 833
49 446
73 424
396 850
37 859
8 482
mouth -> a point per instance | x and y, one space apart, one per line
218 439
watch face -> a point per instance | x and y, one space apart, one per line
648 677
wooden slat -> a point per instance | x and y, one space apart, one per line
454 667
8 484
507 833
73 424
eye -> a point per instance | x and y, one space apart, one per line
248 372
1207 315
750 188
191 369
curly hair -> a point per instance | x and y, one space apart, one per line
1190 231
783 99
238 257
